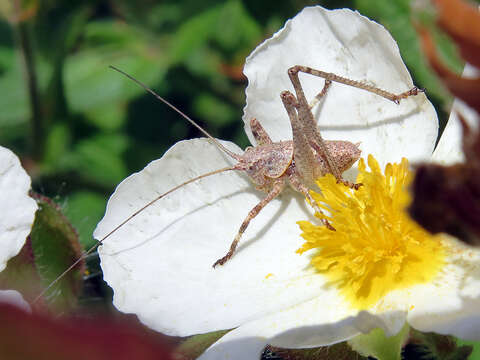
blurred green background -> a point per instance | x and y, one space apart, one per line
80 128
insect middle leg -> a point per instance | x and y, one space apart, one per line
277 188
300 187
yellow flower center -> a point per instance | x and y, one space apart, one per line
376 247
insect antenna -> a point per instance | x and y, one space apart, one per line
215 141
100 242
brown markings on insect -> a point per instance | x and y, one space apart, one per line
273 165
299 162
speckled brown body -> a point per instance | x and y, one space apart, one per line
265 164
304 159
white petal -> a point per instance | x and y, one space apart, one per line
362 51
449 149
449 303
160 263
19 208
300 327
457 294
13 297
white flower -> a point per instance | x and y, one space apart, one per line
159 263
449 149
18 208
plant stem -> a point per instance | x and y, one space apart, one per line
28 61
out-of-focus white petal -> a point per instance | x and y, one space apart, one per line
19 208
13 297
362 51
299 328
457 289
449 149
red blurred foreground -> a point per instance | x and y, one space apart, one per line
33 336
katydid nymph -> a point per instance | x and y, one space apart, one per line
272 166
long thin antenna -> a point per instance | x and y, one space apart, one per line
215 141
100 242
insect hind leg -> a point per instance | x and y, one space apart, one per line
294 70
320 95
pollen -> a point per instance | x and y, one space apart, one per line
376 247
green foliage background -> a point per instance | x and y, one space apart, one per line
80 128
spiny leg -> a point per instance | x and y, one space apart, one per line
309 124
259 132
277 188
302 152
299 186
358 84
352 185
320 95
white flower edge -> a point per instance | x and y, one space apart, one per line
17 219
455 312
449 149
14 298
362 51
183 235
249 340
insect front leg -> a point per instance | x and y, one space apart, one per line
259 132
277 188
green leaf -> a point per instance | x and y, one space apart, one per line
194 33
474 345
107 117
441 347
378 345
14 102
194 346
212 108
333 352
55 247
85 209
99 158
236 28
56 145
90 84
21 274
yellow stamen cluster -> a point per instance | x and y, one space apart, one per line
376 247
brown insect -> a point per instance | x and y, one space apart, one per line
273 165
